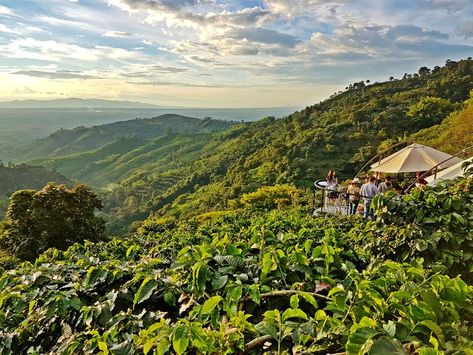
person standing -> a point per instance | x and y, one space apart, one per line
385 185
331 179
354 195
368 192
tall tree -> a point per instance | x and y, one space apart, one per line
52 217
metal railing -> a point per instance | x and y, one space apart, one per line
333 200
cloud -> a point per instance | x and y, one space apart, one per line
168 83
153 70
60 74
375 41
262 35
117 34
5 10
448 5
465 29
291 8
5 29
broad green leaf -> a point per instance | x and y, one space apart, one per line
162 347
180 341
434 327
199 339
210 304
390 328
144 292
309 298
219 281
294 313
360 341
385 345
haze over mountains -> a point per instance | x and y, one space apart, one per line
74 103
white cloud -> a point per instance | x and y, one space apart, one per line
117 34
5 10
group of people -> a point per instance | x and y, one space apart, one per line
372 186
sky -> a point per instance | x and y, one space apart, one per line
221 53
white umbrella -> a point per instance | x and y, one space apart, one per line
450 173
415 157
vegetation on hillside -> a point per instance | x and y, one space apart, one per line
184 175
84 139
279 282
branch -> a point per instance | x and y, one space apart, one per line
257 342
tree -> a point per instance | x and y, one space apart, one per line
52 217
423 71
430 111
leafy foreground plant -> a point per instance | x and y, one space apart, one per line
278 283
434 223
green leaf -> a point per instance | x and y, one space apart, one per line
294 313
162 347
254 292
385 345
103 347
199 339
219 281
390 328
294 301
360 341
144 292
210 304
435 328
180 341
309 298
170 298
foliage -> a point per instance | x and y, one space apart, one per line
454 134
282 280
52 217
434 223
430 111
83 139
272 197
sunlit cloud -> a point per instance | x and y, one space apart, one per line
215 52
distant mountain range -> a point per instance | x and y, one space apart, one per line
75 103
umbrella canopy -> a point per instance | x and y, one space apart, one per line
448 174
415 157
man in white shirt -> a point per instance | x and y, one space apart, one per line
368 191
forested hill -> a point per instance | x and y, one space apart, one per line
22 176
342 132
81 139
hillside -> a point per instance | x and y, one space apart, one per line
19 177
83 139
454 134
340 133
188 175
